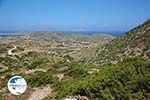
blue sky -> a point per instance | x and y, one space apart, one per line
72 15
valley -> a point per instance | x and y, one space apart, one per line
96 67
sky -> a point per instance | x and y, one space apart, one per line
72 15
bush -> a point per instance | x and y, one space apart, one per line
125 81
77 73
40 78
8 61
3 49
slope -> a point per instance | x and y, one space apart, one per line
134 43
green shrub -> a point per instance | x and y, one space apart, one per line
3 49
77 73
40 78
125 81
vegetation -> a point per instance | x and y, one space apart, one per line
125 81
63 62
77 71
8 61
2 49
134 43
38 79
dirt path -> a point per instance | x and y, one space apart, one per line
10 51
26 51
21 52
39 94
34 70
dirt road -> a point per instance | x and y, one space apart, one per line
39 94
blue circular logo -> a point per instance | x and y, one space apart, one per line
17 85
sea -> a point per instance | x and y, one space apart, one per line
16 33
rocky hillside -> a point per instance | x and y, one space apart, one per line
134 43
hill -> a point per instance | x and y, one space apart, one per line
134 43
